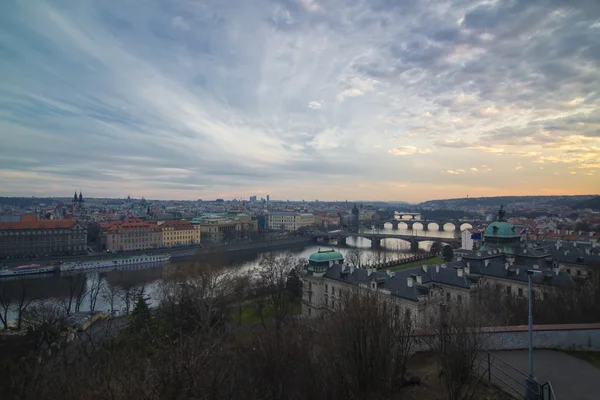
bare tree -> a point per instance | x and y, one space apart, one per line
23 301
354 257
456 338
198 293
369 340
95 286
110 294
76 288
271 280
6 296
47 321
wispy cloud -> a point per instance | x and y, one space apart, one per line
188 99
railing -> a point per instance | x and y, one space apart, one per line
509 378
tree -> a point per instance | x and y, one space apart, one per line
47 321
76 287
354 257
271 281
368 342
95 287
447 253
436 248
6 295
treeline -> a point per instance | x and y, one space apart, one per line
194 344
505 200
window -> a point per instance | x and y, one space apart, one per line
569 271
326 288
333 304
508 290
459 298
309 310
326 301
578 272
333 290
448 296
520 292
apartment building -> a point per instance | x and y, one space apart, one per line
29 236
179 233
224 227
130 235
289 221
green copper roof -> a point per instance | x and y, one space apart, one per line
325 256
499 229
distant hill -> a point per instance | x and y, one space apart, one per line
505 200
593 203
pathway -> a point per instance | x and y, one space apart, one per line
571 377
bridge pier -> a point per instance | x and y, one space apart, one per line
457 227
414 245
395 225
409 225
441 227
375 243
341 240
425 226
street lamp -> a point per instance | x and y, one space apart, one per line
533 388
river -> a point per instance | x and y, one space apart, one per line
57 288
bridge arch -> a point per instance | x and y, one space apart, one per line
465 225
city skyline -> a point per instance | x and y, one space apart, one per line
308 99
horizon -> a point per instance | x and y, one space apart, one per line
320 99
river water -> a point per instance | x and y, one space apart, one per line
57 288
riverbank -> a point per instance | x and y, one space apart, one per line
175 252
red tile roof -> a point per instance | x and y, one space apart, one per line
31 222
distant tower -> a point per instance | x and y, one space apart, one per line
75 198
355 218
80 199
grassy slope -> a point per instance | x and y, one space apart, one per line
427 261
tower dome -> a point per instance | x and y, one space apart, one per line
501 234
319 262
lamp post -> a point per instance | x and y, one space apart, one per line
533 387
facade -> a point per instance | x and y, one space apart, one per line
289 221
130 235
224 227
33 237
179 233
502 262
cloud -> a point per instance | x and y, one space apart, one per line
408 150
177 100
315 105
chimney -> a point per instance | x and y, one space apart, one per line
517 270
418 278
437 268
536 266
566 252
390 273
557 245
580 232
444 265
591 233
409 281
506 265
369 271
468 264
467 270
459 271
352 269
424 268
486 262
575 244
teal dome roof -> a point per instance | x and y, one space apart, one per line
501 229
325 256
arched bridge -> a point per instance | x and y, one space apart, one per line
458 225
376 238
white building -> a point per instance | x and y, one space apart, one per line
289 221
466 240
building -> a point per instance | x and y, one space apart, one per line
179 233
470 239
130 235
502 262
31 236
289 221
225 227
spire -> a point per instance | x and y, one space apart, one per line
75 196
80 197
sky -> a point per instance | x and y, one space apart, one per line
299 99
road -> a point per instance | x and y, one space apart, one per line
571 377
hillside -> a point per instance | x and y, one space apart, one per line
505 200
593 203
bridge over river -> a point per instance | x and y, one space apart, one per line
376 238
